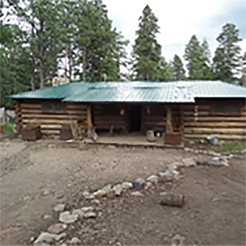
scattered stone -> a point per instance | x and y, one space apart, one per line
165 176
107 188
111 194
138 183
111 147
213 140
215 161
117 189
126 185
68 218
79 212
100 193
59 207
59 195
46 192
69 185
90 215
47 216
189 162
87 209
57 228
41 244
75 240
147 185
152 179
97 202
175 175
86 193
46 237
202 141
177 240
136 193
90 197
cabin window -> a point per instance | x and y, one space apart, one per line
226 108
53 107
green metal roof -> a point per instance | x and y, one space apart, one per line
166 92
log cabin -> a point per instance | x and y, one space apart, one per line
197 109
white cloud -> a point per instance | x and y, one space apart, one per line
178 20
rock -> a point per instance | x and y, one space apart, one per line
59 207
111 146
79 212
138 183
97 202
175 175
47 216
99 193
69 185
59 195
126 185
46 237
215 161
147 185
189 162
90 197
89 215
87 209
86 193
165 176
136 193
177 240
75 240
42 244
57 228
153 179
46 192
213 140
107 188
68 218
117 189
111 194
175 166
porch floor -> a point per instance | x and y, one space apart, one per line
134 140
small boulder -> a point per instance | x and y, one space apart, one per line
126 185
138 183
68 218
75 241
99 193
57 228
46 237
165 176
79 212
59 207
107 188
117 189
189 162
87 209
152 179
90 215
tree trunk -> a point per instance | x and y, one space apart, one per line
84 64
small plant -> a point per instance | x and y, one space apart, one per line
7 127
235 146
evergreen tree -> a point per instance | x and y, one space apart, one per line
226 61
166 72
206 64
178 68
146 50
243 77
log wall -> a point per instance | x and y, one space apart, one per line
107 115
154 117
200 121
32 113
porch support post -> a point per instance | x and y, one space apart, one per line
89 117
169 127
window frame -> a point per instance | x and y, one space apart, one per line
225 103
53 111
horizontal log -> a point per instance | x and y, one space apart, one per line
215 124
51 116
220 136
210 131
27 106
215 119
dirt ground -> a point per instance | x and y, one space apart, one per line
37 176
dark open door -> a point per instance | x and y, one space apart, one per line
135 118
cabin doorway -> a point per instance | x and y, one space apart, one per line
135 118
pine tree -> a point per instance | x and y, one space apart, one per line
206 64
226 61
146 50
178 68
166 72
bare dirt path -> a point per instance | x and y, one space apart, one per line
37 176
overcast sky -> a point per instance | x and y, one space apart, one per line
179 20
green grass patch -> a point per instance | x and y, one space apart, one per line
236 146
7 127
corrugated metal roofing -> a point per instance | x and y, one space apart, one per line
166 92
